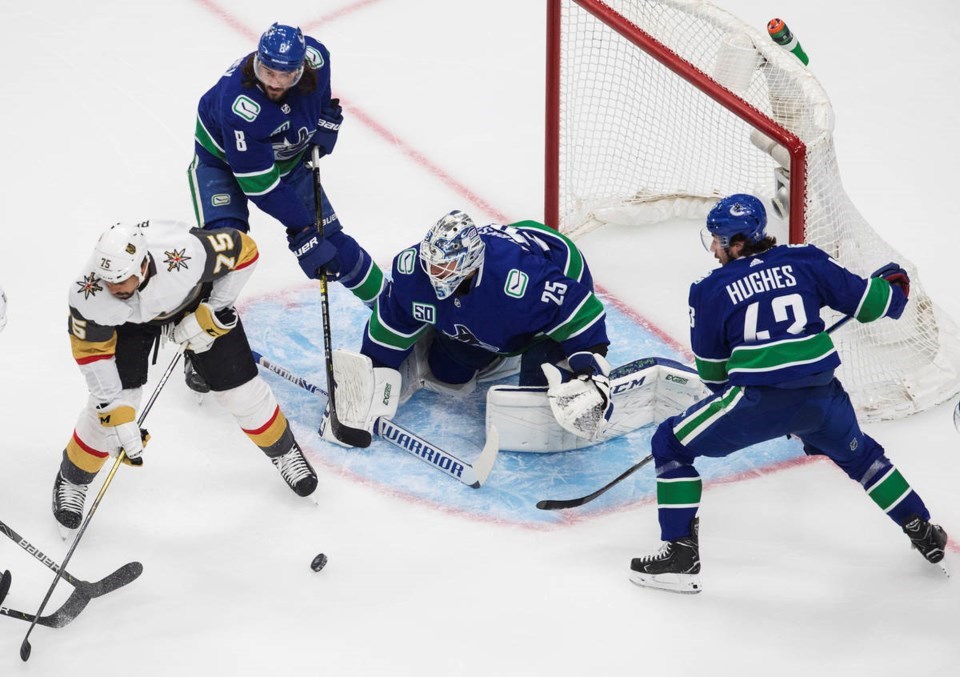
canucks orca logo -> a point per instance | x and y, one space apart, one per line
464 335
89 285
287 151
176 259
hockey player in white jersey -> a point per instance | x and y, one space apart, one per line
145 281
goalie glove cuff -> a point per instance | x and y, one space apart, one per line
588 363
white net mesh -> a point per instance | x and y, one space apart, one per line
639 144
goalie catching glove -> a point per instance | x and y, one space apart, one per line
119 423
581 405
198 330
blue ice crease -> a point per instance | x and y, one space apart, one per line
286 329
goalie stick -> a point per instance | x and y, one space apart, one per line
561 504
352 436
473 475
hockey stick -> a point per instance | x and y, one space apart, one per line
75 603
352 436
119 578
472 475
558 504
25 647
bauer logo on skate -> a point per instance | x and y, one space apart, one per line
428 453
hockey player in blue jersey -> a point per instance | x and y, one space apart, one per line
254 131
760 345
479 295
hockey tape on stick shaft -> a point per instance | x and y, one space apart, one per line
549 504
473 475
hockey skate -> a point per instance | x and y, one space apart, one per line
68 500
676 567
194 380
296 471
929 539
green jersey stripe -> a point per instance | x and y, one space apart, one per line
688 428
385 336
780 354
584 316
875 301
711 371
679 493
890 490
573 268
208 142
259 183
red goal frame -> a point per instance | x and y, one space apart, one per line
683 68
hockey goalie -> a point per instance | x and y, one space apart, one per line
472 304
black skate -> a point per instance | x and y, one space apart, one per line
296 471
676 567
194 381
929 539
68 500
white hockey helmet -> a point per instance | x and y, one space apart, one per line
119 253
450 252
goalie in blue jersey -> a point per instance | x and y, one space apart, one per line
761 346
254 133
469 303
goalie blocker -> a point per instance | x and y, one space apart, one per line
644 391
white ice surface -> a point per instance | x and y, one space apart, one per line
802 575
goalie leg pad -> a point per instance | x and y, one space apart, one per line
645 391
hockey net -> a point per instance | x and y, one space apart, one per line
657 108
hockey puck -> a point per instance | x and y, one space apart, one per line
318 562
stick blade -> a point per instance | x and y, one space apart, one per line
126 574
484 463
25 651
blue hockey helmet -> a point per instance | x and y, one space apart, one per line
450 251
737 214
282 48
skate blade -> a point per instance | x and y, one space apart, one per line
684 584
66 533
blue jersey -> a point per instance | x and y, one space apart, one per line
533 285
260 140
756 320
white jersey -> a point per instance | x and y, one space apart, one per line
186 265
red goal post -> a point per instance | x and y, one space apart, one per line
656 108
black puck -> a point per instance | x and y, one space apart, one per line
318 562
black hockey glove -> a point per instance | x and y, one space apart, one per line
328 127
312 253
894 274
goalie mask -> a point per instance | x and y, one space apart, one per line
119 254
738 214
450 252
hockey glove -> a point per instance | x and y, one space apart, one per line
119 422
328 127
312 253
582 405
198 330
894 274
